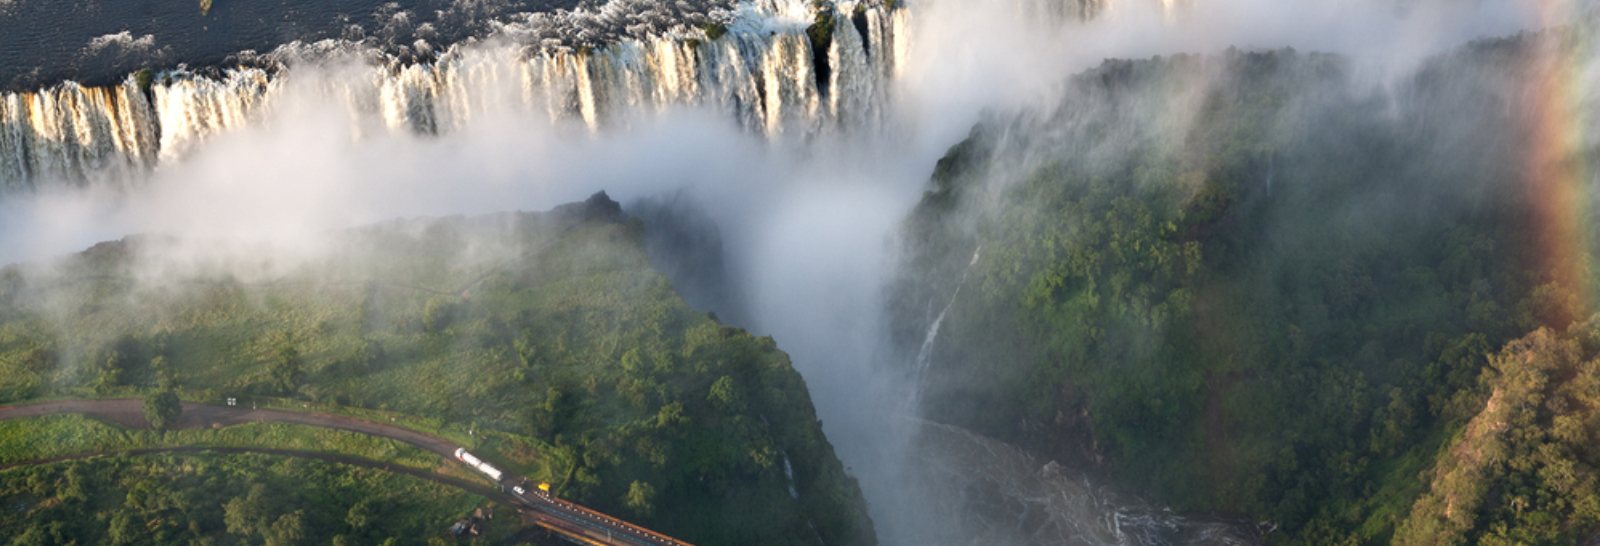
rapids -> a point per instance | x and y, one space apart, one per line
999 494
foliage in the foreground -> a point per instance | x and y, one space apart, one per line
35 438
1242 282
162 409
545 333
216 499
1526 469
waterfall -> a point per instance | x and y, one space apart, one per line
925 353
75 135
853 95
760 74
188 108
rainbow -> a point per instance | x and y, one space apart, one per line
1555 167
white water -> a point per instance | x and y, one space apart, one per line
760 75
996 493
75 135
925 353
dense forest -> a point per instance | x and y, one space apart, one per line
1523 471
543 340
1256 283
215 499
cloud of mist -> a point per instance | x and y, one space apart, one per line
805 226
807 229
972 55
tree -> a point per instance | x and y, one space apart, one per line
371 356
251 513
639 498
285 372
631 363
725 396
41 358
166 377
360 515
108 370
76 488
44 534
671 414
162 409
288 530
240 515
436 314
122 530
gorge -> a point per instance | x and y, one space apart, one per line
1242 260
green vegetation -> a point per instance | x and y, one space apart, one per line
1237 283
221 499
640 499
547 335
820 33
162 409
143 78
65 435
1525 470
714 30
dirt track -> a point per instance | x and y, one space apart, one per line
129 412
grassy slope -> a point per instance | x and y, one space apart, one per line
548 335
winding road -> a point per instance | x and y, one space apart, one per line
486 491
129 412
572 521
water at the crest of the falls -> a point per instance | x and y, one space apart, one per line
761 74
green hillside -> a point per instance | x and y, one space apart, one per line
546 335
1249 283
219 499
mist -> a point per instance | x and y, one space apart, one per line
808 226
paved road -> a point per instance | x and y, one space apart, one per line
572 520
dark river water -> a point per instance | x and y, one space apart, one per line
43 42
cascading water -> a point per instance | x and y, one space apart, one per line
188 108
925 353
760 73
76 135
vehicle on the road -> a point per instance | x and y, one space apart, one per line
484 467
